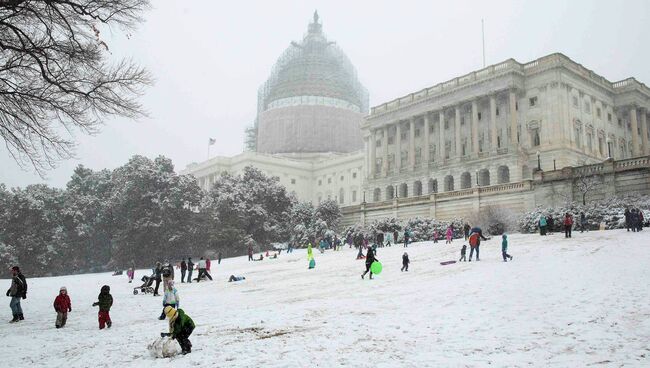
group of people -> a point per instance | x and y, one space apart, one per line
546 224
634 219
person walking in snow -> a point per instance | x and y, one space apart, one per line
105 302
568 224
190 269
370 258
542 225
170 297
180 328
130 273
641 219
62 306
504 248
583 222
250 253
449 235
183 270
17 291
157 277
463 252
466 229
550 224
628 219
405 262
476 234
436 235
406 238
219 258
395 236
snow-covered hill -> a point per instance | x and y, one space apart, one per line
562 302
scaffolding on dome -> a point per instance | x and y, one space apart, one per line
313 67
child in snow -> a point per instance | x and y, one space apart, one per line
170 297
504 248
463 251
236 278
180 328
405 262
104 301
130 274
62 306
370 257
450 234
436 235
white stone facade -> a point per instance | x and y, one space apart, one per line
312 177
490 126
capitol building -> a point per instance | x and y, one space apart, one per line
510 135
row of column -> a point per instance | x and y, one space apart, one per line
643 149
371 144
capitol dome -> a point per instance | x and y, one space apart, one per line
313 100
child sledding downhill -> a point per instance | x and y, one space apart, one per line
370 258
62 306
104 301
180 328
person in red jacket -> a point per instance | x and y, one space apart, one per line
62 306
568 224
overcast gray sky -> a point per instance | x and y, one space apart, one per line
209 59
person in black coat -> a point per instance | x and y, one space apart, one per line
17 291
157 276
183 270
405 262
190 268
628 219
370 257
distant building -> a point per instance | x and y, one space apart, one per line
482 139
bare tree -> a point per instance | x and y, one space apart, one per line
55 78
586 184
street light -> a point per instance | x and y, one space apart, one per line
539 163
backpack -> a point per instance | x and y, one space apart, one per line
473 240
166 272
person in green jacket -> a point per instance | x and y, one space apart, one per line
180 328
504 248
105 302
542 225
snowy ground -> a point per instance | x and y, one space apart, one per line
566 303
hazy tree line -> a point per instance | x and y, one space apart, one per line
143 211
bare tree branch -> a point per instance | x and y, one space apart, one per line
54 76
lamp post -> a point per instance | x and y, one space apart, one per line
364 196
554 168
477 178
539 162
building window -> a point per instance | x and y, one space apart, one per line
431 128
587 107
342 177
578 133
391 139
293 181
598 112
462 120
329 180
378 143
354 175
341 196
320 182
446 124
402 135
417 132
609 117
575 101
601 146
479 116
620 122
532 101
589 142
418 156
497 111
354 196
517 106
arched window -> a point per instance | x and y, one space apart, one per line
417 188
433 186
376 195
390 192
449 183
465 180
484 177
403 190
503 174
